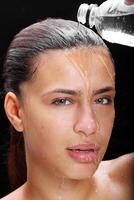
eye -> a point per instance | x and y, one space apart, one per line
104 100
61 101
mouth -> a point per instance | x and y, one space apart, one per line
84 153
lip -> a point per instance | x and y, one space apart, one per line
84 153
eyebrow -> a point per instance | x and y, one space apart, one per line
64 91
103 90
78 92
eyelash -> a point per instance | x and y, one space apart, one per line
102 99
61 101
67 101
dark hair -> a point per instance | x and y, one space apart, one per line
19 66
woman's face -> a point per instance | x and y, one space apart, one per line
68 112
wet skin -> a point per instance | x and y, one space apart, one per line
69 104
66 105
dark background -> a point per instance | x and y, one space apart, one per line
17 14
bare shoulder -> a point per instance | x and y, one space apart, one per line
15 195
11 196
122 168
118 174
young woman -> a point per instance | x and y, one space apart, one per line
60 88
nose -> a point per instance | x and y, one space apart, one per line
86 122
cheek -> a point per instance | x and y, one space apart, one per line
105 125
43 130
105 120
104 115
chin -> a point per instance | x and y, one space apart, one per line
81 172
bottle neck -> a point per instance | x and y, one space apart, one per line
87 12
92 14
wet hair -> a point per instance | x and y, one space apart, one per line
19 66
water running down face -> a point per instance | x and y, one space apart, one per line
67 112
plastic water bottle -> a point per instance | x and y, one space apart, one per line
113 20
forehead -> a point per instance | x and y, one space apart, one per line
85 58
82 65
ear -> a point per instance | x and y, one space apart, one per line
13 110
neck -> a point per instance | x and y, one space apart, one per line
42 186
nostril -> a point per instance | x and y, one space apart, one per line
86 129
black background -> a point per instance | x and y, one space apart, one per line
17 14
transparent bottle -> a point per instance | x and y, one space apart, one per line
113 20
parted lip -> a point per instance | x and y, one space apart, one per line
84 147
